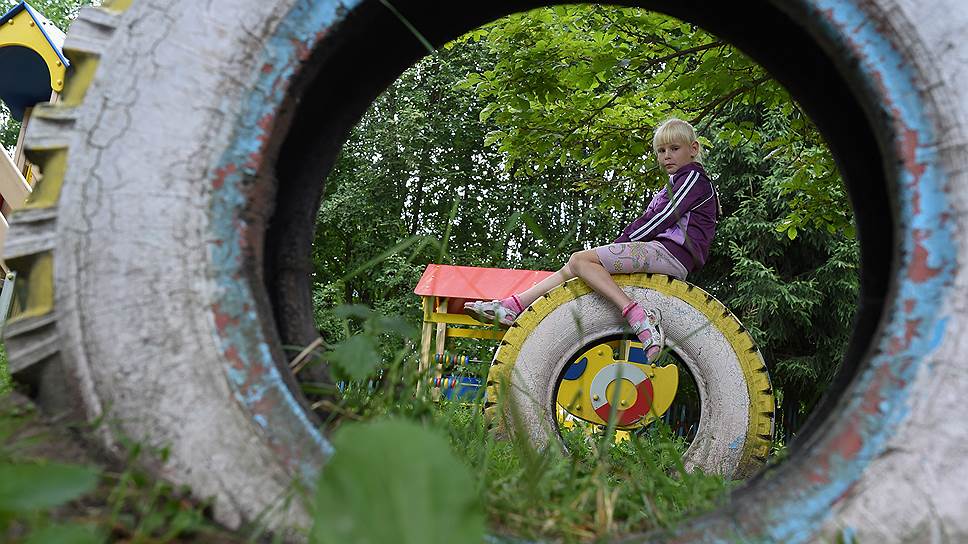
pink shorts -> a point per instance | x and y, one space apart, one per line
632 257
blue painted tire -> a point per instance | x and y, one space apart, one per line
177 243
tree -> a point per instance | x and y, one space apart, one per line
538 126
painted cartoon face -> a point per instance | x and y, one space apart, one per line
674 155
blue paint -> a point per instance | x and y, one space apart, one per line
938 335
797 518
575 370
792 519
738 443
637 355
286 425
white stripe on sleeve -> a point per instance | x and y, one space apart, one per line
658 218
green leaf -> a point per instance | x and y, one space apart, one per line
397 324
356 356
487 111
493 136
395 481
353 310
66 534
26 487
792 233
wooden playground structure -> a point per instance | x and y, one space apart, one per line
31 48
443 290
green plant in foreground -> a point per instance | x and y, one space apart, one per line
395 481
62 501
594 491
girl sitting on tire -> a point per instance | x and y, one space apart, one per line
672 237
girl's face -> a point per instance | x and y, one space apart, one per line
673 156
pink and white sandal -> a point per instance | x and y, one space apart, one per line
650 333
490 312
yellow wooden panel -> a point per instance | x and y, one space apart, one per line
484 334
52 165
33 294
456 319
83 67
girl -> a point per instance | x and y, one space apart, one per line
672 237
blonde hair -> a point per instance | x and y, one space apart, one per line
676 131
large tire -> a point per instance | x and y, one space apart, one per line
158 325
161 276
736 400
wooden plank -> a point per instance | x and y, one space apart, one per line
456 319
13 186
441 342
18 150
426 336
485 334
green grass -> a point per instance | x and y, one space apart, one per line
6 385
596 491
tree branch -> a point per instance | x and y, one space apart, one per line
727 97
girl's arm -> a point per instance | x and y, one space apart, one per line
634 225
688 189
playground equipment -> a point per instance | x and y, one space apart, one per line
569 352
33 69
443 289
178 282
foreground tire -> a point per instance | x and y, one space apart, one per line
160 278
138 301
736 412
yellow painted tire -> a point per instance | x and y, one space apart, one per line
736 423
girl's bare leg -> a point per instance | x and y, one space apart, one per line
585 265
545 285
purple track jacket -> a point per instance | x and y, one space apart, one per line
682 217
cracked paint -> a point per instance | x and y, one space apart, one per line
253 375
879 395
879 398
877 402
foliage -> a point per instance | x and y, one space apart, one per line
538 126
594 491
46 495
415 174
403 474
5 383
586 86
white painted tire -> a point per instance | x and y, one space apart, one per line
736 400
158 325
161 273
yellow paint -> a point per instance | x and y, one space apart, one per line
568 421
83 67
761 408
52 164
118 5
475 333
33 294
456 319
21 31
622 390
576 398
